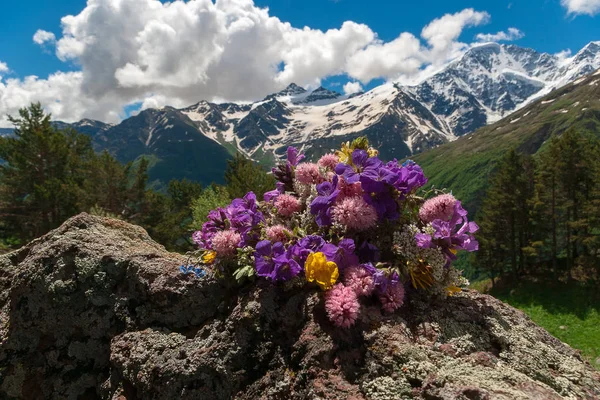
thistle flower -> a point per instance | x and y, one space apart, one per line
287 205
318 269
278 233
308 173
360 280
439 207
392 298
355 214
226 242
348 189
329 161
341 305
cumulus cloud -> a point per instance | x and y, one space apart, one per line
176 53
42 37
509 35
352 87
3 67
406 55
442 33
590 7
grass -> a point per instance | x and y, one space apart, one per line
569 311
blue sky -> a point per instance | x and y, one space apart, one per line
548 25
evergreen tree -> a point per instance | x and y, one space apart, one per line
107 185
42 179
505 217
243 175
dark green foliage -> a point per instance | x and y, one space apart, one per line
504 217
542 218
42 181
49 175
242 175
169 217
211 198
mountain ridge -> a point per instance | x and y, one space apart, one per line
465 165
488 82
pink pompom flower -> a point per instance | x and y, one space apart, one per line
393 298
308 174
278 233
439 207
359 279
328 161
287 205
354 213
226 242
348 189
341 304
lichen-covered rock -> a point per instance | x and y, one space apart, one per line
96 309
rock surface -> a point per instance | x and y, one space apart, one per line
97 310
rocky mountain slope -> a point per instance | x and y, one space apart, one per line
486 83
97 310
465 164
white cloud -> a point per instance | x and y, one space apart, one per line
177 53
42 37
407 55
509 35
590 7
352 87
3 67
442 33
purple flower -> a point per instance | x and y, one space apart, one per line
423 240
272 261
370 268
342 254
383 280
293 156
306 245
244 217
286 267
217 221
321 205
368 253
361 164
410 176
274 194
384 203
448 238
377 180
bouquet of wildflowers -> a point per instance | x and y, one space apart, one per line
351 225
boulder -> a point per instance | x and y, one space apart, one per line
97 310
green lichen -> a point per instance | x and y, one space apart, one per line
387 388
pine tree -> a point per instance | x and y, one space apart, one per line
243 175
42 179
505 217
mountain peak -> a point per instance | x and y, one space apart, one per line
321 94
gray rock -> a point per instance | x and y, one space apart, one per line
96 309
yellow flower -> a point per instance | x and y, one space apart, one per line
318 269
452 290
345 154
209 257
361 143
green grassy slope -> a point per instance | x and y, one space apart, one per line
569 311
464 165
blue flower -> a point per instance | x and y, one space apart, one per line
199 272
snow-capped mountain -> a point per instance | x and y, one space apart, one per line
491 80
486 83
